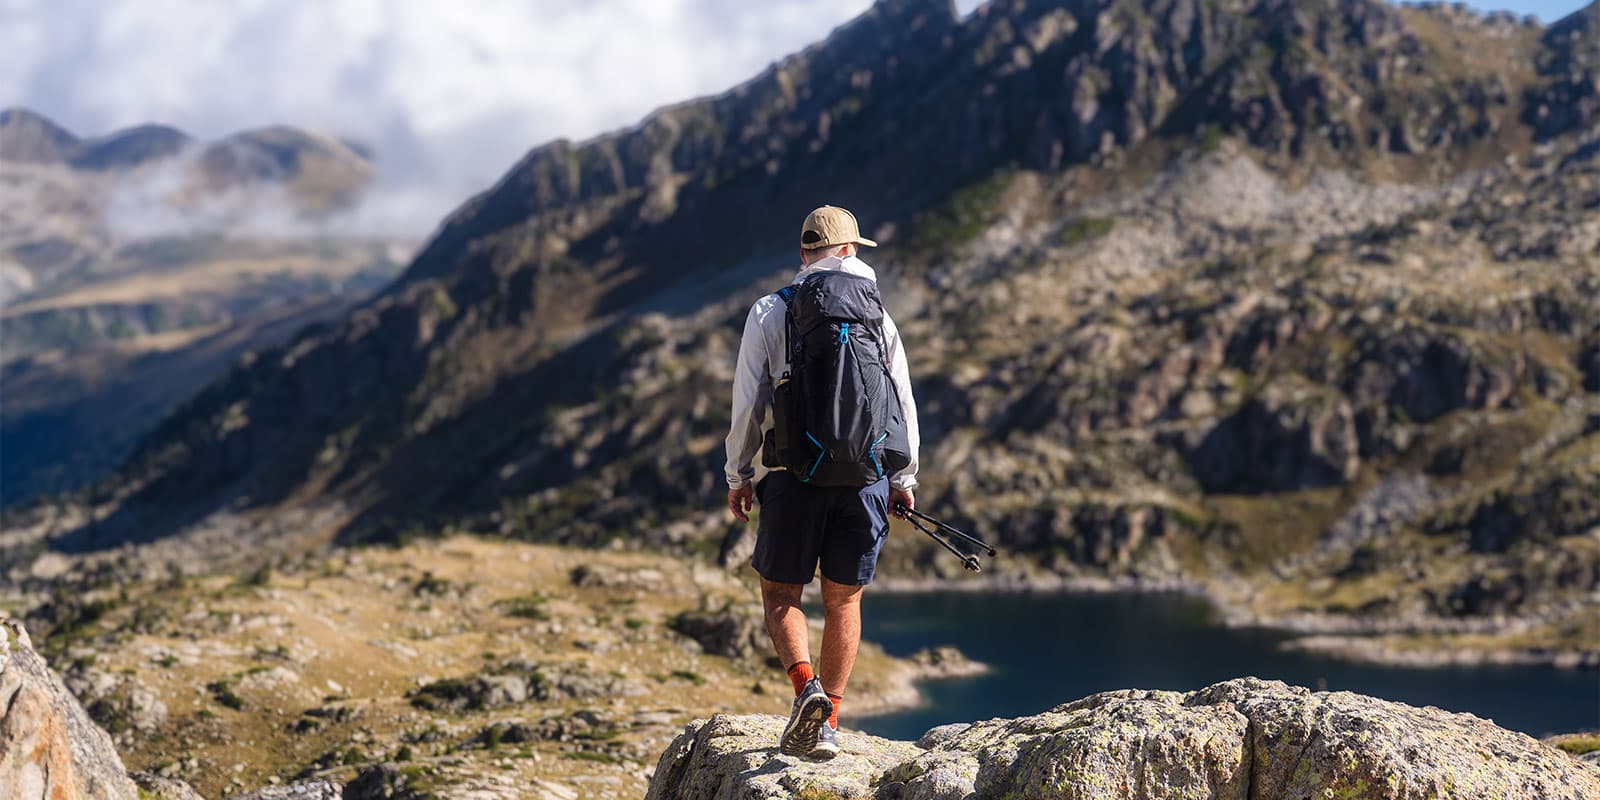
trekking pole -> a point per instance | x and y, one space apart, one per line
905 510
967 559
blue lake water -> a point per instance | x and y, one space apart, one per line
1048 649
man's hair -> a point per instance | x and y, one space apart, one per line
817 254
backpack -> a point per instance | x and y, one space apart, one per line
836 418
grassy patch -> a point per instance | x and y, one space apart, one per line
1085 229
1579 743
528 606
963 215
222 692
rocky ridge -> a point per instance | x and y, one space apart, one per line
1239 739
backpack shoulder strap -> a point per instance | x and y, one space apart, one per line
787 295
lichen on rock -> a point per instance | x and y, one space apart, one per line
1235 740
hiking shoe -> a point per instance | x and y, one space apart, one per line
808 717
826 747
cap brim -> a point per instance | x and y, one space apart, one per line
864 240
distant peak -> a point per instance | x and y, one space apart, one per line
31 137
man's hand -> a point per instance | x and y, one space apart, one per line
741 500
898 498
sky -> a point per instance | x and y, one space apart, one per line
449 94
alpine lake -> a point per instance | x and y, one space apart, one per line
1045 649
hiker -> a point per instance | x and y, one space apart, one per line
838 432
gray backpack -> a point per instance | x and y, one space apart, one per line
836 414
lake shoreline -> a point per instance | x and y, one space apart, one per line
1343 637
1086 643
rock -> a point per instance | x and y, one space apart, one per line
519 681
164 788
934 737
736 756
1240 739
1426 375
723 633
945 662
49 748
379 782
585 724
117 702
1291 435
607 577
1589 363
309 790
739 544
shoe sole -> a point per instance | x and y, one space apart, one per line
823 752
800 736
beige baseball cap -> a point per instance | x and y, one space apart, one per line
831 225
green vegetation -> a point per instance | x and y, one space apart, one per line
448 690
682 674
529 606
1579 743
1085 229
222 692
963 215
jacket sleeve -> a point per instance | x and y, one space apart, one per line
901 375
752 394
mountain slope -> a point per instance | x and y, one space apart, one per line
1281 299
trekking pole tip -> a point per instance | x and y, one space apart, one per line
972 564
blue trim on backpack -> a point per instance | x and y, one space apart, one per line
844 333
873 451
822 451
786 294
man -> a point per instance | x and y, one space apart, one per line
842 527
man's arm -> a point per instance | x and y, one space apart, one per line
906 479
752 393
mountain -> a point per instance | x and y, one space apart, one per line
131 147
1292 302
137 266
29 137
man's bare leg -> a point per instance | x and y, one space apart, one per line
841 635
786 623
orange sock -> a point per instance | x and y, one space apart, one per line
799 674
838 699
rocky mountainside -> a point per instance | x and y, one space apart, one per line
135 267
1240 739
1290 301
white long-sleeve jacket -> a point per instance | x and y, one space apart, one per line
762 357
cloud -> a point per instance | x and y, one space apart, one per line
449 94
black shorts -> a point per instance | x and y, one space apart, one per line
842 527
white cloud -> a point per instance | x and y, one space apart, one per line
449 93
